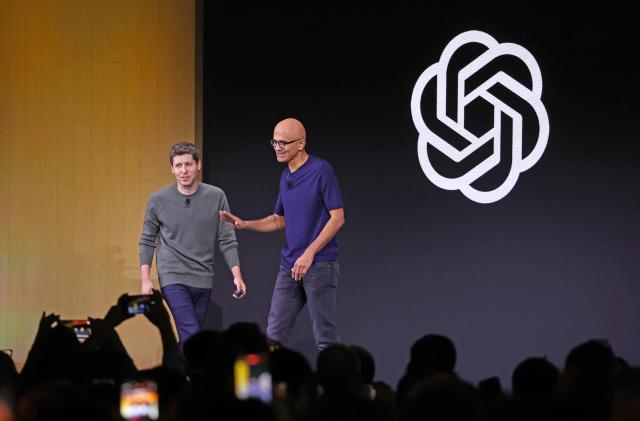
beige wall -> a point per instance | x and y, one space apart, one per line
92 95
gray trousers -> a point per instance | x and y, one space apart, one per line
317 289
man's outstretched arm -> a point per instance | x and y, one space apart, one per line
269 223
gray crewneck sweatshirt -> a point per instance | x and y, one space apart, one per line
184 231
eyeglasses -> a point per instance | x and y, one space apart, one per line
283 143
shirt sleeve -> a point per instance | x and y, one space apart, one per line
148 239
227 243
330 189
279 209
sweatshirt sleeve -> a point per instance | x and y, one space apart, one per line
150 229
227 243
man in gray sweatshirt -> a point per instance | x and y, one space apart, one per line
181 225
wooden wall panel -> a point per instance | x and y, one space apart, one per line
4 174
92 95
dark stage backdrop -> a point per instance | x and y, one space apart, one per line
551 264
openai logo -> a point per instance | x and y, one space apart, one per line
513 128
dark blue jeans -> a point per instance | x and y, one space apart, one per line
318 290
188 306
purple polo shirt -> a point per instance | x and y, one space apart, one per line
305 199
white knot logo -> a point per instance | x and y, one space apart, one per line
462 93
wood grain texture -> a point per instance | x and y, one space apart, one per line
92 95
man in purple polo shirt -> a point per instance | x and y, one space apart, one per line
309 208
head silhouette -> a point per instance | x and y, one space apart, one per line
534 377
433 353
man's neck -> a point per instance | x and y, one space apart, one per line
189 190
298 161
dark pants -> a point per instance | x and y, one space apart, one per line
188 306
318 290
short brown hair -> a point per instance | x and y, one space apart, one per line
183 148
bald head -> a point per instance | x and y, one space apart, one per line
289 141
289 128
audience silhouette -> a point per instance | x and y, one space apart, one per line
64 378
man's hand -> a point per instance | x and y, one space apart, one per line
146 286
232 219
241 288
301 265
